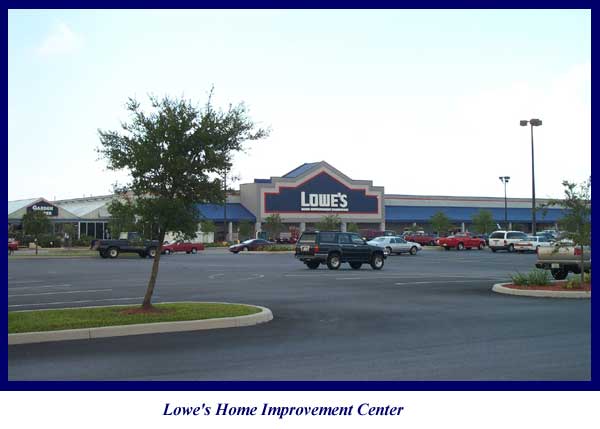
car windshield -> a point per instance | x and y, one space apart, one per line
248 241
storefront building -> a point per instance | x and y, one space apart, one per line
302 198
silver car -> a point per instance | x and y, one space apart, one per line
394 244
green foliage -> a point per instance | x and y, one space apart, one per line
279 248
174 154
534 278
244 230
413 228
49 240
122 216
329 223
273 225
84 241
208 226
483 222
440 223
578 220
36 223
575 282
352 227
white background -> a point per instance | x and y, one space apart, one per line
488 410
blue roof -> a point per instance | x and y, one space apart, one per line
298 171
235 212
465 214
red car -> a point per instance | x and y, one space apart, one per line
460 241
422 239
12 246
182 246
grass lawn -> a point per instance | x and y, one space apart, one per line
75 318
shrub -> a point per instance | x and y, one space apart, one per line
575 282
84 241
534 278
279 248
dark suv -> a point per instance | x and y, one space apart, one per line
334 248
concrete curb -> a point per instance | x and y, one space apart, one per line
140 329
499 288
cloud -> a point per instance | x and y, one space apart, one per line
62 40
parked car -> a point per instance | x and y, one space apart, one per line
460 241
505 240
334 248
12 245
396 245
423 239
249 245
561 260
532 243
182 246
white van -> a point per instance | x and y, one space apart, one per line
505 240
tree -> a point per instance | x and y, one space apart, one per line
273 225
329 223
122 216
440 222
577 221
35 223
244 230
352 227
69 231
483 222
174 154
207 226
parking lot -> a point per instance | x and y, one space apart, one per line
426 317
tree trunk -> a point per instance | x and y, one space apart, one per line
147 304
582 266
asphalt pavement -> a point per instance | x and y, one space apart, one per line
431 316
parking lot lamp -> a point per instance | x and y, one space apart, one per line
505 180
533 123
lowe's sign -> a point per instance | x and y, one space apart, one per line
321 193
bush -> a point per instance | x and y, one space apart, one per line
279 248
49 240
84 241
217 244
534 278
575 282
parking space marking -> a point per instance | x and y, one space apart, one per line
26 281
39 287
441 281
76 302
212 276
57 293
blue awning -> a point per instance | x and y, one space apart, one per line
235 212
465 214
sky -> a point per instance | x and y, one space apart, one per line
418 101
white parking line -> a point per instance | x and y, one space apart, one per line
76 302
440 281
63 292
212 276
39 287
26 281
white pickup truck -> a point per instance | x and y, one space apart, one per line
561 260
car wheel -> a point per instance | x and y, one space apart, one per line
377 261
142 255
356 265
152 252
388 250
480 246
494 250
559 274
113 252
194 250
313 265
432 243
413 251
246 249
167 252
103 255
460 246
235 251
334 261
511 248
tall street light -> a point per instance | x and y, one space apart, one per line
533 123
505 179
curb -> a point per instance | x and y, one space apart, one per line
499 288
140 329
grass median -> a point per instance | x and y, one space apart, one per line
94 317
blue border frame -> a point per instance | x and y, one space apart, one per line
304 385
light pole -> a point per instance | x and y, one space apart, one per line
505 179
533 123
